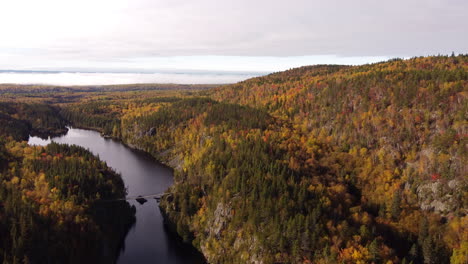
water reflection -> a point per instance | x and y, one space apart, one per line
147 241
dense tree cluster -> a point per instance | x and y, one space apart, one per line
50 197
19 120
91 115
321 164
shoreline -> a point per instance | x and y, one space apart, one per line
168 224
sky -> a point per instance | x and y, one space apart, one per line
255 36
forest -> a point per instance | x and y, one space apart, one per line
318 164
49 196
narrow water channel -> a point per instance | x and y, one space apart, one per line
148 241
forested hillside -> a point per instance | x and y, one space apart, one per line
320 164
49 196
19 120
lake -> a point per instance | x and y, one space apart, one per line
148 241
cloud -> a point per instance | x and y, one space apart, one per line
55 32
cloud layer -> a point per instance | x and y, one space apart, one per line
56 33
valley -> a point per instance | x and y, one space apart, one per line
318 164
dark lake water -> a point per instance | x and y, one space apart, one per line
148 241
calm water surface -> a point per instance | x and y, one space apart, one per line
147 241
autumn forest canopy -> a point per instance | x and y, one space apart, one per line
318 164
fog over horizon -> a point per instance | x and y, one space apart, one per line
103 78
216 35
239 69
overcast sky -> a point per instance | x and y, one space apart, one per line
240 35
